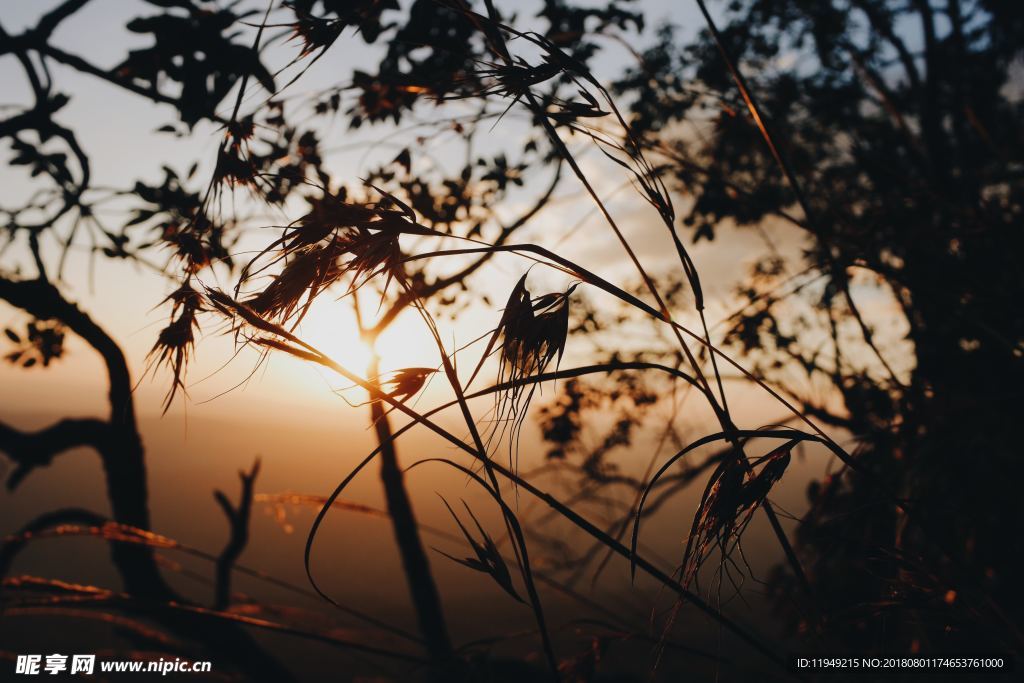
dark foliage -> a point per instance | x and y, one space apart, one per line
898 121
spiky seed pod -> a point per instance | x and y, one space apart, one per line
233 167
316 33
185 297
240 131
328 214
176 342
514 327
191 250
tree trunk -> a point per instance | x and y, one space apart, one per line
414 560
124 466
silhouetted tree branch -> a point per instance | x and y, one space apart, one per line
120 447
238 521
30 450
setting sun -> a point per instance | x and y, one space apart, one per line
331 327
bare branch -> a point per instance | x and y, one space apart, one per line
238 519
30 450
44 301
54 17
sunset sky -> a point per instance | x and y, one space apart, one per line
118 130
287 410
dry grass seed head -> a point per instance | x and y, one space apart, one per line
533 333
372 254
732 497
233 310
333 230
309 271
406 382
488 558
175 343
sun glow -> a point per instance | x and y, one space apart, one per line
331 327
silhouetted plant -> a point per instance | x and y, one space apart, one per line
890 160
